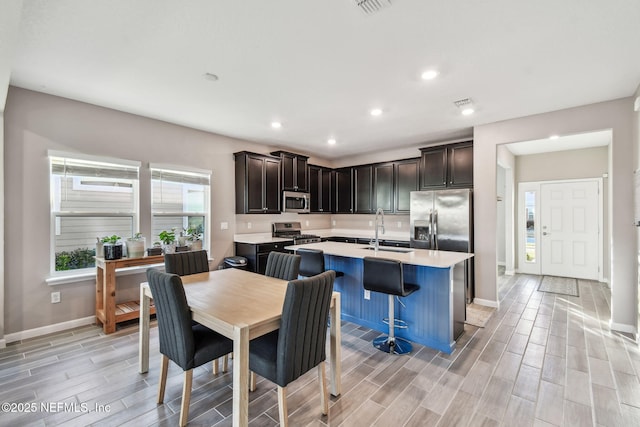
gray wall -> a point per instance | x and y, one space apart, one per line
615 115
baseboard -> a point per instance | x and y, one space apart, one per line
485 302
509 272
501 263
49 329
621 327
3 343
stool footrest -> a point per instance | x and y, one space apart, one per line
397 323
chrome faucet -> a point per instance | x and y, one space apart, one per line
379 214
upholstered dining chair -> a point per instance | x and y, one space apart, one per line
183 263
283 266
299 345
188 345
192 262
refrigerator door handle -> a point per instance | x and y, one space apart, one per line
430 229
435 230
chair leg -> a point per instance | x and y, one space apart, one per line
214 367
164 365
225 363
186 397
282 407
324 395
252 381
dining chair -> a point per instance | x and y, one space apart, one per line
188 345
282 266
192 262
183 263
298 346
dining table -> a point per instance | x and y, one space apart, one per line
241 305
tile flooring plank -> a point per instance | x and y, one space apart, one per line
495 399
550 406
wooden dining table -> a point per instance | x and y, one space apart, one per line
240 305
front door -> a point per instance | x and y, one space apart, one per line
569 222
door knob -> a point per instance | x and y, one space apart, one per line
544 233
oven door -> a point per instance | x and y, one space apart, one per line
295 202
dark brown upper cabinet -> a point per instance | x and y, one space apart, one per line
406 180
363 189
320 188
447 166
257 183
294 171
383 187
343 190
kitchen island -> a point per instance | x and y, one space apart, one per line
435 313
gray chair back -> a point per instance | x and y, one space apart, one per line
184 263
174 318
283 266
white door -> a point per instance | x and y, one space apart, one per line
569 220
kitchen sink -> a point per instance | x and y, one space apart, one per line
389 249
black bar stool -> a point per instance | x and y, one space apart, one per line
312 262
385 276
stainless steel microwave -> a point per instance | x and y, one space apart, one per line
294 201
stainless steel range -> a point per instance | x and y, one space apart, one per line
293 230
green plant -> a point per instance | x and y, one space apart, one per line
136 237
168 237
76 259
111 239
193 233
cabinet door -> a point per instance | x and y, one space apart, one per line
407 176
383 187
288 171
460 158
255 184
363 179
271 190
433 168
300 183
315 188
325 194
343 190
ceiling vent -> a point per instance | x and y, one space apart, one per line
461 103
372 6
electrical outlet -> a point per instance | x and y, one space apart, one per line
55 297
399 224
224 226
333 222
370 223
249 225
367 294
306 223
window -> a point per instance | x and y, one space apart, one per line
179 200
91 197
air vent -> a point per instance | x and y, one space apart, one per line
462 102
372 6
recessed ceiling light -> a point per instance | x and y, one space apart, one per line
331 141
429 75
467 111
465 105
554 137
276 125
210 76
376 112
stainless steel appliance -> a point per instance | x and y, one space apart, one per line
443 220
293 230
295 201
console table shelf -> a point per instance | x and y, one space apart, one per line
108 313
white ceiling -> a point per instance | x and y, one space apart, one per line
561 143
319 67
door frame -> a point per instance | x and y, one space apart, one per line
536 267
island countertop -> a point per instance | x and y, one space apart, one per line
421 257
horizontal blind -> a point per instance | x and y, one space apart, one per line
180 177
84 168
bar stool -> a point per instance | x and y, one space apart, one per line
312 262
385 276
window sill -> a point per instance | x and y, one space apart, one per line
83 277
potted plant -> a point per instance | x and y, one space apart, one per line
168 238
194 235
112 247
135 246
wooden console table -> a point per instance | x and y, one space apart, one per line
108 314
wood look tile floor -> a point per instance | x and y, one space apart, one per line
543 359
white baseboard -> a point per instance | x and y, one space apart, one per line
485 302
501 263
621 327
49 329
509 272
3 343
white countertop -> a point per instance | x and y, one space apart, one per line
423 257
257 238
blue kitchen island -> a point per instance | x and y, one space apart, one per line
435 314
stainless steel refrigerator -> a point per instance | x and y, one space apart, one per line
443 220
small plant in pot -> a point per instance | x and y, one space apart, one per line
155 250
194 236
135 246
168 239
112 247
